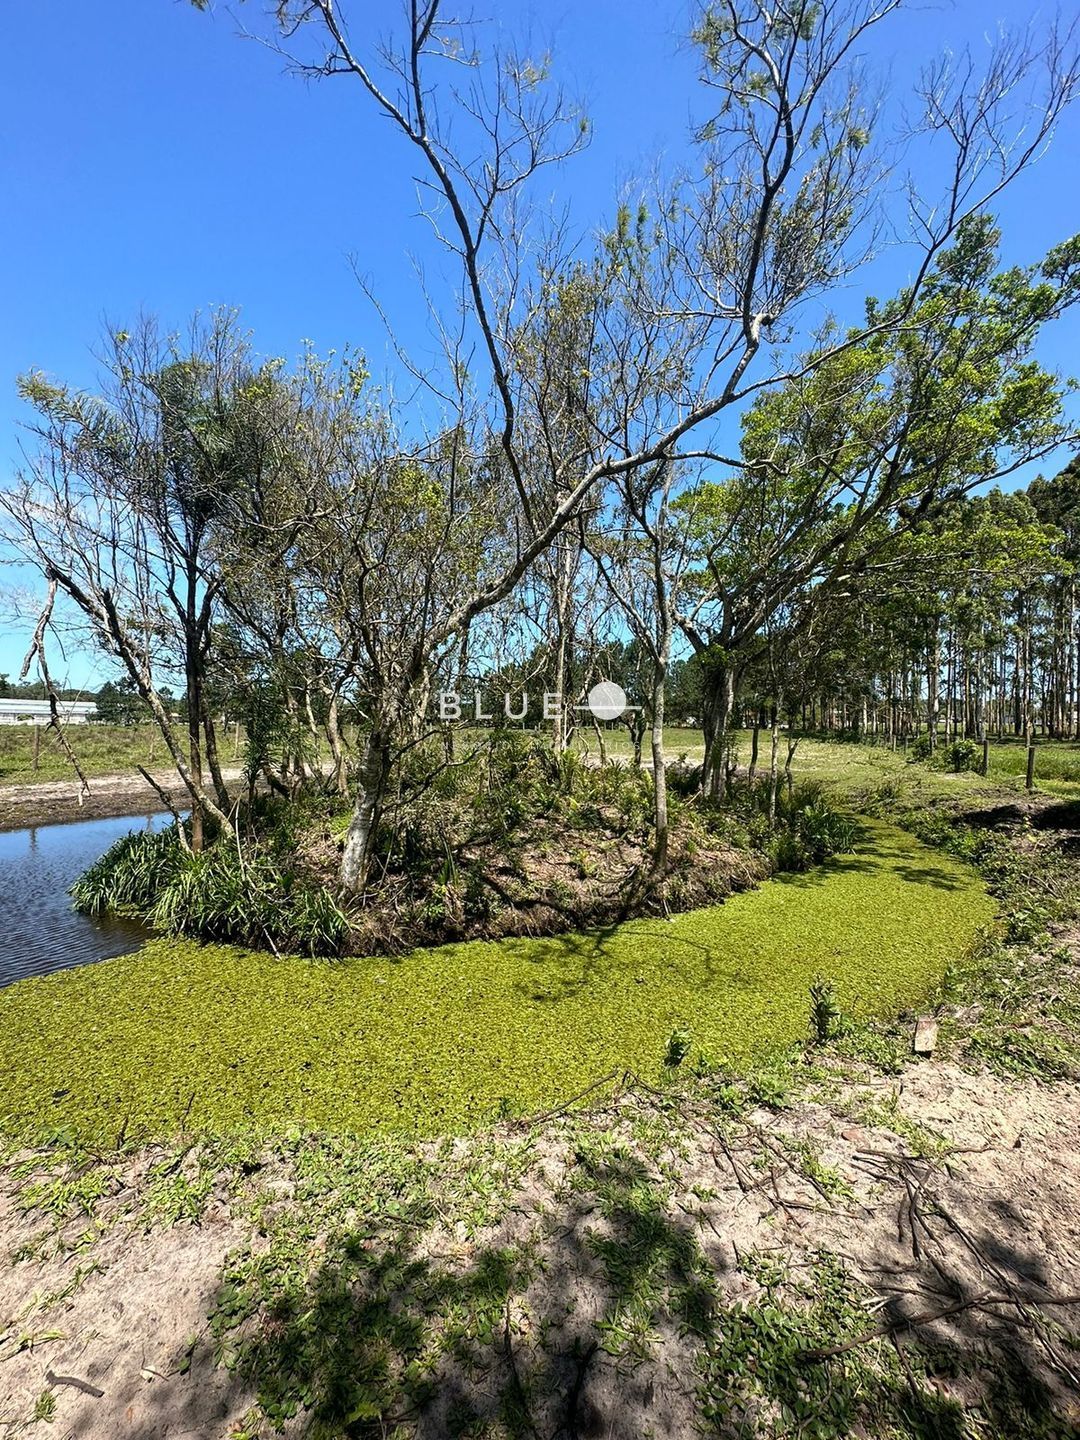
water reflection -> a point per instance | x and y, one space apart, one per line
39 931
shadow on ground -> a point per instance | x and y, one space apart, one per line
610 1304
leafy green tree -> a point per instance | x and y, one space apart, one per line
118 704
118 507
876 439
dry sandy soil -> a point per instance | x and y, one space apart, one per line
985 1236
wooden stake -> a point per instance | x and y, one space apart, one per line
925 1037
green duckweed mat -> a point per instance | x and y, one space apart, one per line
211 1038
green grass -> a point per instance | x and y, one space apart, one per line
678 739
217 1038
1056 761
1057 765
99 749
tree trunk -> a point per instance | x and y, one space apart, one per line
563 587
363 827
636 727
337 750
600 741
719 705
193 691
933 670
213 761
773 767
792 746
660 798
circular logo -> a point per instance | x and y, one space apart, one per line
607 701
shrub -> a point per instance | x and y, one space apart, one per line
811 830
919 749
958 755
280 821
962 755
822 830
683 778
786 851
215 896
1037 885
423 829
625 788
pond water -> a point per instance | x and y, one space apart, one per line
39 930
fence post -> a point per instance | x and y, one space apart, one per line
37 745
1029 783
986 757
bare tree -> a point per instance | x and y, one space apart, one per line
682 297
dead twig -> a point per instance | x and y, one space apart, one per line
51 1378
166 799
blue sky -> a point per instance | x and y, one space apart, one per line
152 161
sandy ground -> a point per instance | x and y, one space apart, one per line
56 801
991 1226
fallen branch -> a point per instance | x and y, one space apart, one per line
619 1077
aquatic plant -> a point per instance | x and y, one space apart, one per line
218 896
130 875
213 1038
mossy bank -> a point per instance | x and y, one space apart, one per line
210 1038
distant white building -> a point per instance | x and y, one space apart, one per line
37 712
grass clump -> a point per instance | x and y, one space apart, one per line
219 1039
130 875
216 895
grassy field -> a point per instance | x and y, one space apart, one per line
840 763
1056 761
1057 768
100 750
219 1039
109 749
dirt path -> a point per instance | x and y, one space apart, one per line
57 801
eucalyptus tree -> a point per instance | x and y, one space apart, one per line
1057 502
916 634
